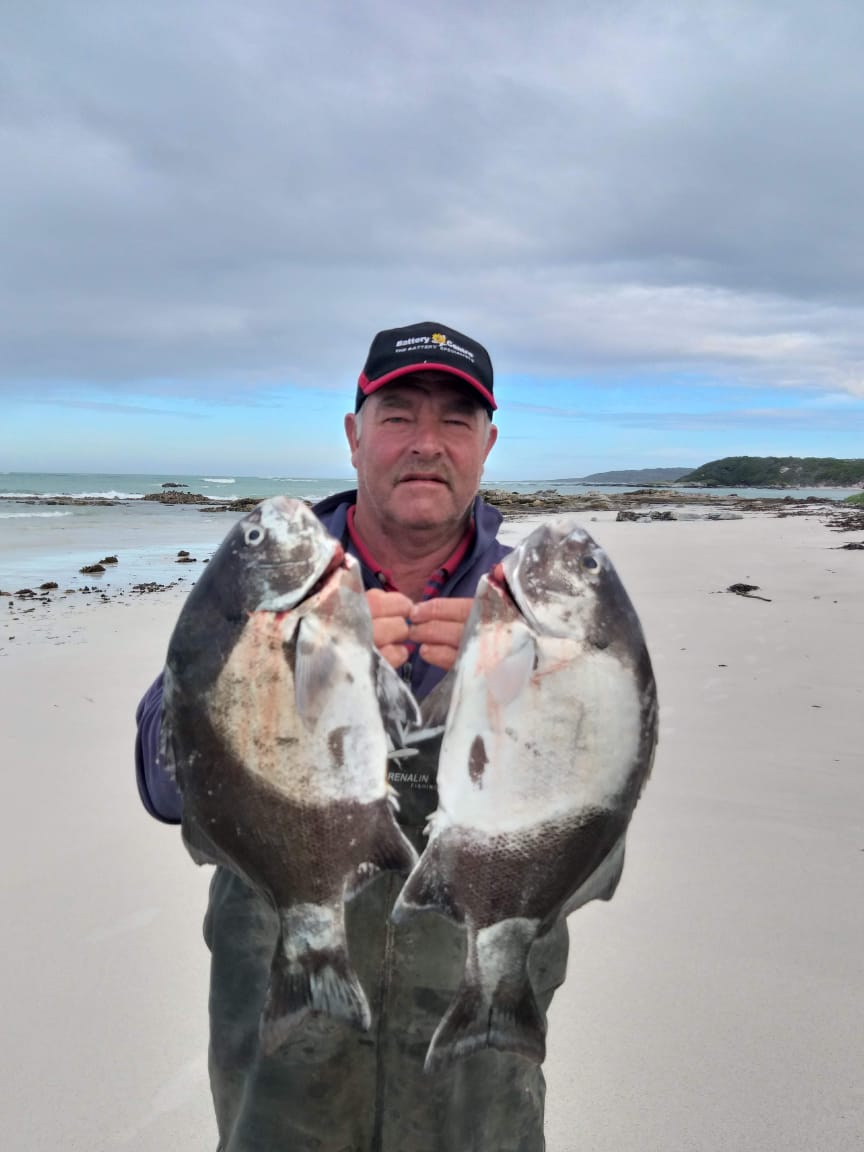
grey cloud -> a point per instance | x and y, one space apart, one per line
212 194
108 406
773 419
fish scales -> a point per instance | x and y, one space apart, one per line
548 740
273 728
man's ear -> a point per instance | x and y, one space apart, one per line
351 435
490 443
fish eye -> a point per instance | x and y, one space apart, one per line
589 562
254 535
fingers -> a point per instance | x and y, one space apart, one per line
395 654
390 630
383 603
437 626
453 608
437 632
439 655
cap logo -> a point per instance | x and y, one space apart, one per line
439 340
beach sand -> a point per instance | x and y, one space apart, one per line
715 1003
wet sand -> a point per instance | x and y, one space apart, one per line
714 1003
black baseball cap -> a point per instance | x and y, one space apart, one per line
426 347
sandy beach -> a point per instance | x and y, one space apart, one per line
715 1003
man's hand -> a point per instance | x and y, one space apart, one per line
390 629
437 626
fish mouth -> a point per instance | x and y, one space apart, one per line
497 577
337 564
504 579
317 580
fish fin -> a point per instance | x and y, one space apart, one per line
509 678
435 707
603 881
503 1015
314 668
311 981
200 852
400 712
427 887
392 850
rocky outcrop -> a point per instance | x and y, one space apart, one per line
514 504
64 501
672 514
172 496
545 500
243 504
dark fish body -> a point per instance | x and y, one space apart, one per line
548 740
272 725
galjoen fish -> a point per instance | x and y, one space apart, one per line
272 725
549 738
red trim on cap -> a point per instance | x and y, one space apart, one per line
367 387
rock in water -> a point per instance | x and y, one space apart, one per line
549 738
272 726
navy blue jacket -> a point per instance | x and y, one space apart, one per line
158 791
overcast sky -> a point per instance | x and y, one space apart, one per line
652 214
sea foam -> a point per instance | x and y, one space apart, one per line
29 515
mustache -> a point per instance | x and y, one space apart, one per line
419 474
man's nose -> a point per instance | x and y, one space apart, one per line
428 437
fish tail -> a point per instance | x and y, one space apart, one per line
428 887
310 977
495 1006
510 1020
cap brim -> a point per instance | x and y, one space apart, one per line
367 387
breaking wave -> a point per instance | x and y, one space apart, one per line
112 494
218 480
29 515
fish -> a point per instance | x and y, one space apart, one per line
550 728
278 718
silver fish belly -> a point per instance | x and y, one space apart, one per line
272 725
548 740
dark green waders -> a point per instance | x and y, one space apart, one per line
333 1089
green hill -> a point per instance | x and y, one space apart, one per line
629 476
778 472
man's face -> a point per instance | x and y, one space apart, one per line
420 452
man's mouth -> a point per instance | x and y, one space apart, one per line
421 478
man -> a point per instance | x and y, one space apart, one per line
419 436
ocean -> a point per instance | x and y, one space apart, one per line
41 542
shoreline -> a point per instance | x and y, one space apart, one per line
52 611
150 548
174 496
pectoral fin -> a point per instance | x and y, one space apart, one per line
509 677
399 710
314 668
